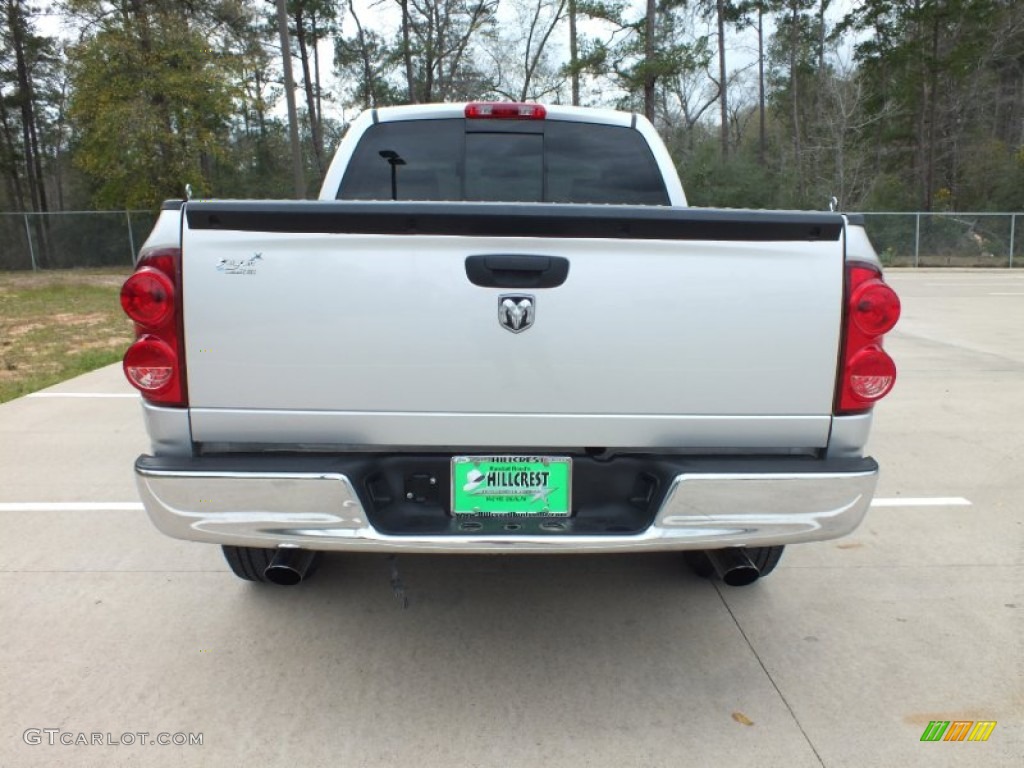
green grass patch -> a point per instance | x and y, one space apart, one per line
56 325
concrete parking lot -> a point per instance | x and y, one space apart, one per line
840 658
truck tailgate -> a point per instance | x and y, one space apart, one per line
356 323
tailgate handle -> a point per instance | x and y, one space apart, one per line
511 270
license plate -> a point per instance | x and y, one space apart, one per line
537 486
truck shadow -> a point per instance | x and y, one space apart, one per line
472 634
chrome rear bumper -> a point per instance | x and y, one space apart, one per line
321 510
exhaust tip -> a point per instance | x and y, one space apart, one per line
289 567
741 576
733 566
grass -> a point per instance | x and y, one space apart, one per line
56 325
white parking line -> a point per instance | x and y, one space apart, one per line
82 394
966 279
1006 294
72 506
934 501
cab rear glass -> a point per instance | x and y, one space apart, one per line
495 161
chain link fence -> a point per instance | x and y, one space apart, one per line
63 240
31 241
947 239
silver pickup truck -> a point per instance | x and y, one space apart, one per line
501 329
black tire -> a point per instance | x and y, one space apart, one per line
698 563
249 563
764 559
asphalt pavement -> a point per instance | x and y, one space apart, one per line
842 657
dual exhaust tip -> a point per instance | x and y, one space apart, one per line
290 566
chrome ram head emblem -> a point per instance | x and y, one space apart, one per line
516 311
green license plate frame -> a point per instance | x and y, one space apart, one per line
511 486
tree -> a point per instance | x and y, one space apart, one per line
574 53
11 163
310 22
522 68
437 36
592 56
28 61
150 102
649 69
687 93
934 67
792 56
368 62
157 93
723 75
651 50
750 14
254 161
289 94
845 125
26 48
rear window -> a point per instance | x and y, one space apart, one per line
549 161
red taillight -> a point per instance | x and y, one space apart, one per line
875 307
871 374
150 364
872 309
147 297
506 110
151 297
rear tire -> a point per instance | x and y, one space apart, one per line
698 563
250 563
764 559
